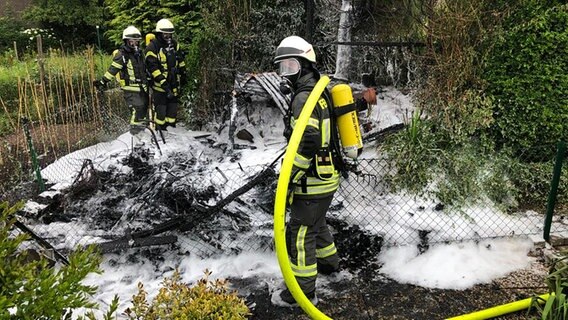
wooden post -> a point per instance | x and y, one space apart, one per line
16 50
41 72
40 58
309 6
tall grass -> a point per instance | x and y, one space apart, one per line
57 95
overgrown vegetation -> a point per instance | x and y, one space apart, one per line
177 301
62 107
235 36
426 161
493 100
74 22
556 306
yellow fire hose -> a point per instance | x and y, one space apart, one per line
280 203
501 310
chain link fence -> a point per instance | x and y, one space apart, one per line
180 204
185 205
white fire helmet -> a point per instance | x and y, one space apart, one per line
165 26
295 46
131 33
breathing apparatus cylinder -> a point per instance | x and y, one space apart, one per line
149 37
347 121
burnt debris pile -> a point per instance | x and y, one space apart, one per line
179 200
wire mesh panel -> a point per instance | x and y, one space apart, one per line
364 200
185 206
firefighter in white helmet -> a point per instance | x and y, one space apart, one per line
128 66
165 63
315 176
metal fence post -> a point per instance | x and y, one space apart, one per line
33 154
554 189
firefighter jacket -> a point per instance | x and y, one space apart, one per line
165 64
129 68
313 174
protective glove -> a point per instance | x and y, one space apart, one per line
182 76
100 85
370 96
169 93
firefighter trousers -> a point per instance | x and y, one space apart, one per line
165 109
138 104
309 241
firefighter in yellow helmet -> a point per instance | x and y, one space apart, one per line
128 63
165 63
314 179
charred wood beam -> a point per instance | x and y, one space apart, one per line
42 242
382 134
262 177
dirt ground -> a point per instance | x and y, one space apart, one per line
366 296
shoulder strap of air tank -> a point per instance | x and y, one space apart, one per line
335 148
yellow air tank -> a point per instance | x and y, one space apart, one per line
347 121
149 38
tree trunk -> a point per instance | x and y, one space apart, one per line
310 8
344 35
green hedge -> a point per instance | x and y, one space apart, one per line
527 75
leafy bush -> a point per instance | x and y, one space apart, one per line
527 75
73 21
424 160
176 300
31 289
144 15
10 32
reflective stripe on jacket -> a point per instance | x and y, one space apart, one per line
164 65
129 69
314 172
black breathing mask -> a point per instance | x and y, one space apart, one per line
285 86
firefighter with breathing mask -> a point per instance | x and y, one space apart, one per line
128 63
315 177
165 63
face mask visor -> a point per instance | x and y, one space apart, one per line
167 37
133 43
288 67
